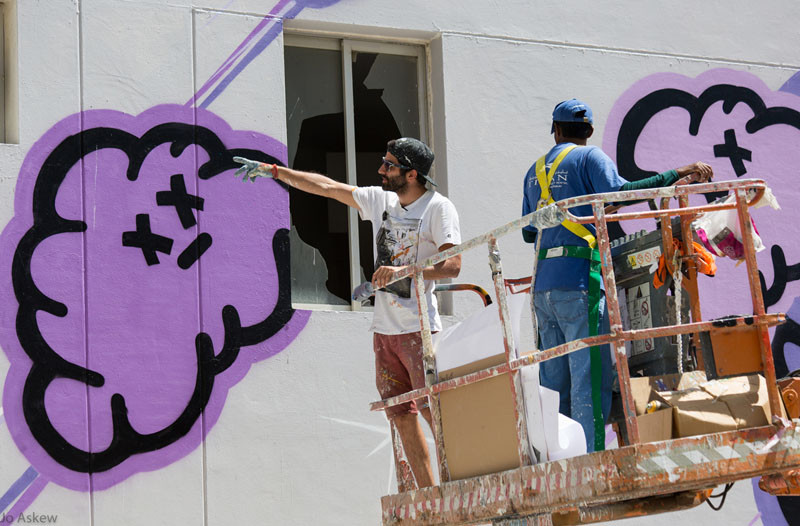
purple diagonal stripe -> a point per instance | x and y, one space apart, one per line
228 62
18 487
257 49
27 498
260 46
792 85
238 51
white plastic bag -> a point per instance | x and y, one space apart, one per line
719 232
570 441
477 337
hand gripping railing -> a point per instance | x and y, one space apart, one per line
748 192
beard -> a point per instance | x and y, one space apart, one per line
394 184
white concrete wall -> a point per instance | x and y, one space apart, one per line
295 442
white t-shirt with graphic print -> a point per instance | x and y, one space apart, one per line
406 236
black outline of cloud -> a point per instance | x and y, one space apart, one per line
49 365
651 104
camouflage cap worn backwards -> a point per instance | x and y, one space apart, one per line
413 154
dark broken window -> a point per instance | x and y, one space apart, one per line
382 102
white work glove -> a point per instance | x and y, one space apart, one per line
254 169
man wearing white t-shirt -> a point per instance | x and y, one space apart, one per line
410 224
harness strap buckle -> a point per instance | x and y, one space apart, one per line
555 252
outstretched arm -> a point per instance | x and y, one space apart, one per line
317 184
698 172
310 182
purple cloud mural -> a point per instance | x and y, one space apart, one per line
146 280
144 283
736 123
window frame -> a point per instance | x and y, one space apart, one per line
9 71
4 8
346 46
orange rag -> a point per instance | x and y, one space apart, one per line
705 263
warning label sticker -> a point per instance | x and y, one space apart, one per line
640 315
644 258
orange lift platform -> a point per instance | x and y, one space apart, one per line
637 478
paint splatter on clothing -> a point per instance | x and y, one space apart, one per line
398 369
405 236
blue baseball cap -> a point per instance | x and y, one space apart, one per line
571 110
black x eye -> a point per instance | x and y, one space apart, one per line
144 238
182 201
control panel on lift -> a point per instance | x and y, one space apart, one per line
635 258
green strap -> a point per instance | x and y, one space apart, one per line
595 278
595 293
571 252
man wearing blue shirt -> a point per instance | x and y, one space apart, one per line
569 294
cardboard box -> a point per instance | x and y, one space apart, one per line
478 424
645 388
656 426
720 405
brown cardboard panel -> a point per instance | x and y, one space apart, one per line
478 423
641 390
655 427
680 382
699 417
748 400
479 428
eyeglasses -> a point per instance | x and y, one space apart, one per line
387 164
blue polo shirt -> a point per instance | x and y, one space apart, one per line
585 170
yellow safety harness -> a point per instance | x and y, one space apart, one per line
545 178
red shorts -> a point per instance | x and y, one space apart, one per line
398 369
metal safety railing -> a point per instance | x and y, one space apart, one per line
748 192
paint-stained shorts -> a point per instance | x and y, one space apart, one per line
398 368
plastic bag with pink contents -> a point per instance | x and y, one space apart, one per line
719 231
